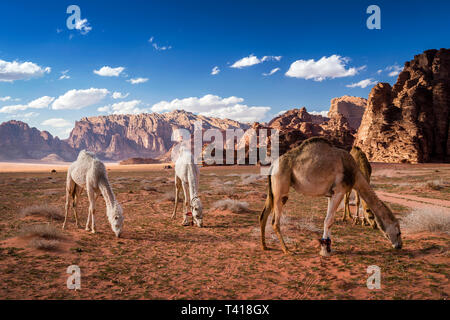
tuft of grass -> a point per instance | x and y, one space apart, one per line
169 196
43 244
435 185
232 205
149 188
252 179
429 219
45 231
43 210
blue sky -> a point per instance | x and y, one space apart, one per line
316 51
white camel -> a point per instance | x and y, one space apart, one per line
89 173
187 177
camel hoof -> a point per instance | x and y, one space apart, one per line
324 252
93 231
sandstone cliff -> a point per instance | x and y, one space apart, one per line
352 108
409 122
19 141
118 137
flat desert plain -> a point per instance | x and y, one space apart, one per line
158 258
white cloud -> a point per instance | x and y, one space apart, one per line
124 107
252 60
78 99
40 103
12 71
57 123
327 67
119 95
363 83
215 70
64 75
107 71
271 72
83 26
215 106
137 80
394 70
5 98
319 113
157 47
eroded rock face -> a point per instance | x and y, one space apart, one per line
19 141
409 122
119 137
352 108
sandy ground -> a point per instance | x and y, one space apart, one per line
157 258
40 166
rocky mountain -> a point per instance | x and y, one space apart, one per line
297 125
352 108
118 137
19 141
409 122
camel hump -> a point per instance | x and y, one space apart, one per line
84 154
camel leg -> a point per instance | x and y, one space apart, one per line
262 222
91 197
358 203
68 196
177 194
76 197
186 204
278 209
346 206
333 204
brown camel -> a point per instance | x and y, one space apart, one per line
364 166
316 168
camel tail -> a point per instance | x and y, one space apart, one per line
383 214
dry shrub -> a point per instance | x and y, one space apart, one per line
43 244
43 211
45 231
387 173
232 205
427 219
149 188
169 196
308 225
251 179
224 191
435 185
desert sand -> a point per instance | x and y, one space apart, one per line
157 258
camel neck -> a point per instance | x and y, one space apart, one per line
107 192
193 188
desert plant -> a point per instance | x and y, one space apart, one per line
43 244
251 179
435 184
232 205
426 219
45 231
43 210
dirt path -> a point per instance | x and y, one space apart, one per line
414 202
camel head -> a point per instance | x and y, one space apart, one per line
116 219
390 228
197 211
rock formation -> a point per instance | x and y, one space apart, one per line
409 122
352 108
145 135
19 141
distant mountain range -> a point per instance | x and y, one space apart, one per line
409 122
